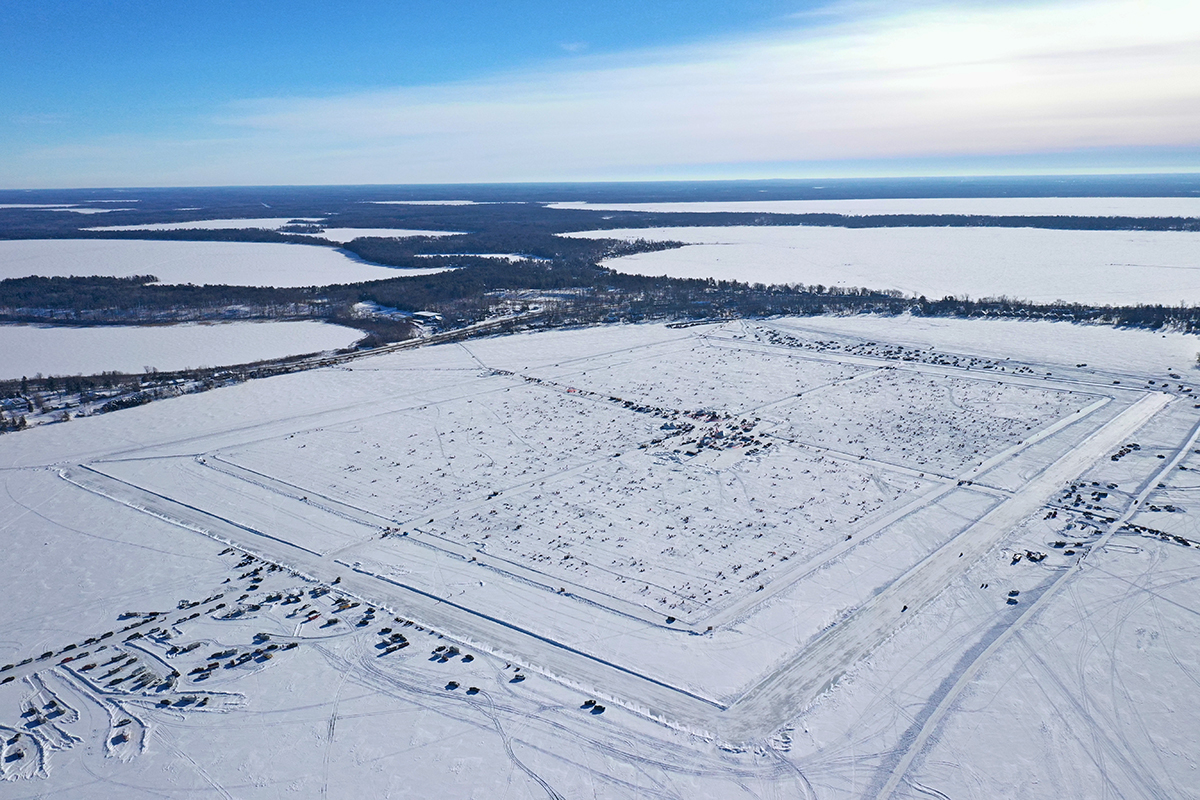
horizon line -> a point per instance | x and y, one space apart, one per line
1177 173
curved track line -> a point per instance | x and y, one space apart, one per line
815 669
968 675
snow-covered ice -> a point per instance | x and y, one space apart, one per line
759 558
1056 344
974 206
332 233
1097 267
256 223
425 202
71 207
228 263
49 350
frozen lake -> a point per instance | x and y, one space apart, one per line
985 206
1097 267
333 234
75 209
224 263
1056 344
883 545
26 350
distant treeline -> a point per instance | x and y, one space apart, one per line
575 288
460 292
451 251
470 293
301 201
625 299
504 224
1182 318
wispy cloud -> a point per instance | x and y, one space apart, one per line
933 81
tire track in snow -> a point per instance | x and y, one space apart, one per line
934 720
811 672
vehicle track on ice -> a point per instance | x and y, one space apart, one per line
808 674
933 722
759 711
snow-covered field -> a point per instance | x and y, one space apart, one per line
1099 267
31 349
976 206
786 558
1058 344
425 202
333 234
228 263
257 223
73 208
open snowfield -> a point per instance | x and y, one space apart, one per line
974 206
257 223
1061 344
1096 267
31 349
224 263
75 209
425 202
333 234
783 558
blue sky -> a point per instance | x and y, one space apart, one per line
214 93
112 61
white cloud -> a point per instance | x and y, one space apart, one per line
936 81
